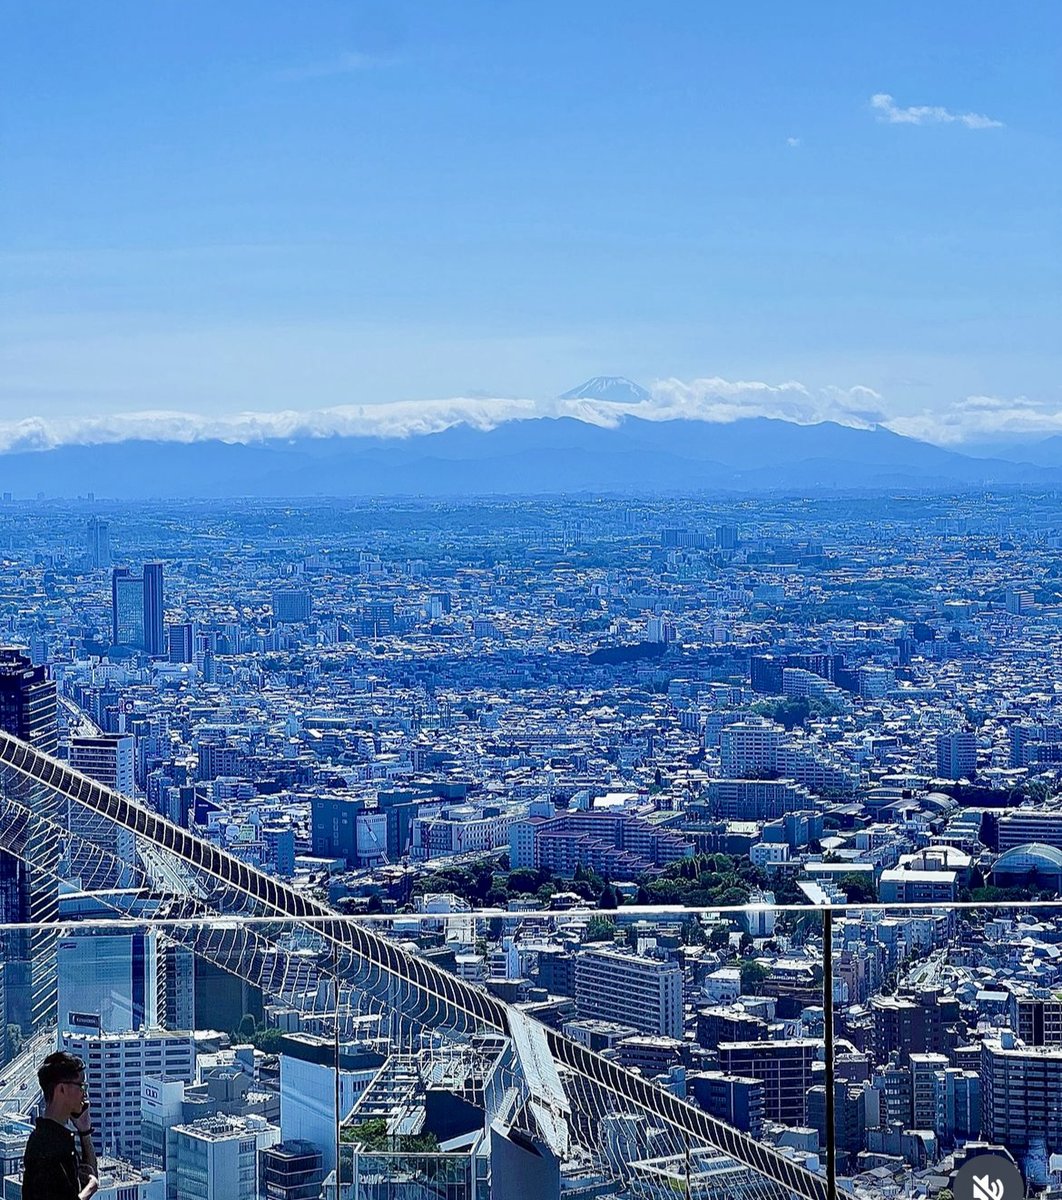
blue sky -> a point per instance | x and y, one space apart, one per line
225 207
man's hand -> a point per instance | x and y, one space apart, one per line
83 1121
92 1186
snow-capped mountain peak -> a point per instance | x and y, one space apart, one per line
612 388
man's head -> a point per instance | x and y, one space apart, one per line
62 1080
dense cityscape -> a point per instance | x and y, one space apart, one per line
564 713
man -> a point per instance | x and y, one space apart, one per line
55 1168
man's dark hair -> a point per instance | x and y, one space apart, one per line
59 1068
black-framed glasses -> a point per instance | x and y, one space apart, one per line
75 1083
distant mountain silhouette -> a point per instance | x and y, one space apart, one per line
521 457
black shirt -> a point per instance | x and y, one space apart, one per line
50 1168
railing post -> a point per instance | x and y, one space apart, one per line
827 1014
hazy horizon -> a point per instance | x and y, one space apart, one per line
809 213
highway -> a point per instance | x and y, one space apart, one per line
18 1080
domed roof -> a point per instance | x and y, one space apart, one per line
1032 854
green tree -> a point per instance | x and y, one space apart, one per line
599 929
858 889
753 975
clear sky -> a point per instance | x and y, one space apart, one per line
223 205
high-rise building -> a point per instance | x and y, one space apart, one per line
107 982
28 894
749 749
926 1023
138 609
928 1101
176 986
1036 1019
154 610
956 755
98 543
726 537
181 642
28 703
643 992
291 605
127 609
115 1066
105 757
783 1066
1022 1094
108 759
849 1106
309 1084
962 1104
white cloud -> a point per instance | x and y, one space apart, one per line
710 399
976 418
891 113
343 64
793 141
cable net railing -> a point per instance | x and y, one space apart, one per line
592 1114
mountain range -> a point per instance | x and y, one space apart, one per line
534 456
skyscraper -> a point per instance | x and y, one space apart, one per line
154 609
108 982
28 711
98 542
27 701
138 609
127 609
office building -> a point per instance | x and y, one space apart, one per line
28 710
127 609
308 1089
138 609
176 998
115 1067
180 641
98 543
28 702
291 606
217 1158
726 537
108 759
154 610
956 755
107 982
643 992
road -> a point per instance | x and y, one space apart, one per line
19 1091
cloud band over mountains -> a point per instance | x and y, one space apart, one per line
712 400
